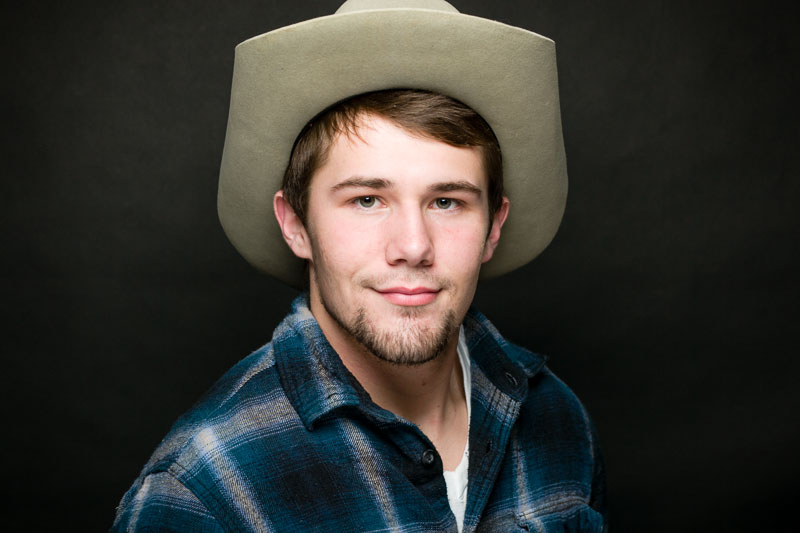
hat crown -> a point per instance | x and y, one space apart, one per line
371 5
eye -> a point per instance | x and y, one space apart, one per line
366 201
444 203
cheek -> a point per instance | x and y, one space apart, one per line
461 245
346 246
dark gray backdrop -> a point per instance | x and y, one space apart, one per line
668 301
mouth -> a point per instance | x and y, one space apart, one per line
406 296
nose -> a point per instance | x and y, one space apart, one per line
409 240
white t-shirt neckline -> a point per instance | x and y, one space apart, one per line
456 480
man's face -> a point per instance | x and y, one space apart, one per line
397 230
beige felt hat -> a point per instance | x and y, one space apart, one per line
283 78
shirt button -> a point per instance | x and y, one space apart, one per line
511 379
428 457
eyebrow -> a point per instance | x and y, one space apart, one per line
382 183
460 185
360 181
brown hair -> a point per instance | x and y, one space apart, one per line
424 113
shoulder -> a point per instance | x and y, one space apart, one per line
550 404
159 502
545 394
250 382
556 439
554 470
243 404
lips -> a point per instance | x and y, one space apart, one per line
409 296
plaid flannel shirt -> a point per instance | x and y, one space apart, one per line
288 440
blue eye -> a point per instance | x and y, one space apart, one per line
443 203
366 201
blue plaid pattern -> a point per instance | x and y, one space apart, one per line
288 440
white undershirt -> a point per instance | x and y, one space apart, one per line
456 480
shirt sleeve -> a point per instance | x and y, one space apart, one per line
159 502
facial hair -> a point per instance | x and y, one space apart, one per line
407 345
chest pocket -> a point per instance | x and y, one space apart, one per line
579 519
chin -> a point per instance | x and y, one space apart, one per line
408 343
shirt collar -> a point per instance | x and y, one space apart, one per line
317 383
508 366
313 377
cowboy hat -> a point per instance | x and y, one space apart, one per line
283 78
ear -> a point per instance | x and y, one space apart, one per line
292 228
494 233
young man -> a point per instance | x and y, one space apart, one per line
383 402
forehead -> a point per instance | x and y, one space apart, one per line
378 147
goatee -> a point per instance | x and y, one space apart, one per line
407 345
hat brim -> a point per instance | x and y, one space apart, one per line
283 78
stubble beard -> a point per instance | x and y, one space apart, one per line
408 344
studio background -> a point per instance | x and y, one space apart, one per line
668 300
